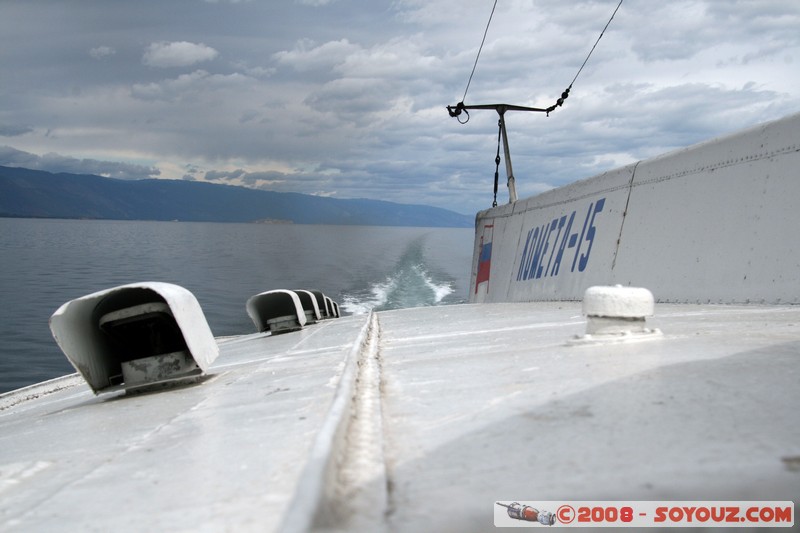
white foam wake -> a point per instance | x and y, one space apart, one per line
407 287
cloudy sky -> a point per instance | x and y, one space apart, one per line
347 98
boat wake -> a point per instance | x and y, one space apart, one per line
410 284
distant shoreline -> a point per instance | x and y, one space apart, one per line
256 222
26 193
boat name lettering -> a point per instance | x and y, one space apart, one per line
548 246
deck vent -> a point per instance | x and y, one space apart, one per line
324 303
310 306
278 311
135 337
329 308
617 313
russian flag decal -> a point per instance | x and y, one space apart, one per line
485 257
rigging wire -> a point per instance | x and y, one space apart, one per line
461 108
595 44
497 163
486 31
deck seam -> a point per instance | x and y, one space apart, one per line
312 506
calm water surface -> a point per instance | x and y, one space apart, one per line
44 263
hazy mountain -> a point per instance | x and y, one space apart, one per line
34 193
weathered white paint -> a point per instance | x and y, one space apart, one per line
310 306
324 304
715 222
618 302
76 329
477 404
278 311
616 314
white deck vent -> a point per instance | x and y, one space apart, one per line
310 306
325 305
278 311
137 336
334 307
617 313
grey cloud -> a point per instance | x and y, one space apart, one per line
52 162
353 101
314 3
187 85
14 130
262 178
177 54
352 98
11 157
218 175
102 51
308 56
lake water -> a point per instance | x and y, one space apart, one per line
45 263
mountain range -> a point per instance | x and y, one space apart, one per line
38 194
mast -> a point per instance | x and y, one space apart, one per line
455 111
512 189
458 109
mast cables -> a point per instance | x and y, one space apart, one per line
455 111
595 44
479 51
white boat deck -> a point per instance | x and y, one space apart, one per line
418 420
